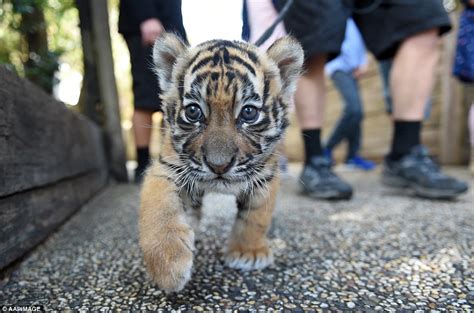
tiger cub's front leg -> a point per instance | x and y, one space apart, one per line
248 245
166 239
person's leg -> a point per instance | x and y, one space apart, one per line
349 123
319 26
410 33
349 126
317 179
146 100
412 79
142 123
310 100
413 75
142 127
384 67
354 141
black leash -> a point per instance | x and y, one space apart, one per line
270 29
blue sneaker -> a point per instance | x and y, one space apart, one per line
328 156
360 163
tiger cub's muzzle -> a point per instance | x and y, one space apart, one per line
219 153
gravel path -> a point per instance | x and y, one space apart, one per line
381 250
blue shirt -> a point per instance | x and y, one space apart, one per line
353 52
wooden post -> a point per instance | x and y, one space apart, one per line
108 88
453 115
89 100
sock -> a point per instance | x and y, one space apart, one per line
143 158
406 135
312 143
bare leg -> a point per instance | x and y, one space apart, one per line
310 97
310 103
413 75
412 80
142 121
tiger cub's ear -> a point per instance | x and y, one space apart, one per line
166 50
288 55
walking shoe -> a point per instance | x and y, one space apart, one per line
418 173
318 181
360 163
139 174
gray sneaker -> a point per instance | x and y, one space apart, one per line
417 173
319 181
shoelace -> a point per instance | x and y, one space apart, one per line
325 170
429 166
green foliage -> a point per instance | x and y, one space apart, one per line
63 38
41 69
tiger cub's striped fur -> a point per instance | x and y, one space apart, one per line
225 106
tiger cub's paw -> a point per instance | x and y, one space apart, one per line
249 259
170 260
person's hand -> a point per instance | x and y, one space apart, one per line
151 29
470 3
360 71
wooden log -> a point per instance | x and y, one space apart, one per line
52 161
27 218
41 141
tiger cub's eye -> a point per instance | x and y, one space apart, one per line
193 113
249 114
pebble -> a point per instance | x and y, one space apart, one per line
360 253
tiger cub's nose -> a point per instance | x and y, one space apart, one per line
219 165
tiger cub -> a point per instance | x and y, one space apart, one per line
225 105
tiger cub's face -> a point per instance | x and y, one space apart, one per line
225 104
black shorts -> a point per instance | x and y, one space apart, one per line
319 25
145 83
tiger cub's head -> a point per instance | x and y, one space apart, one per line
225 103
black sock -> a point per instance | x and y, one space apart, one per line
312 143
143 158
406 135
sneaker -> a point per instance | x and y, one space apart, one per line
139 174
328 155
360 163
417 172
318 181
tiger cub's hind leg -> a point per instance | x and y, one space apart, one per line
166 239
248 247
